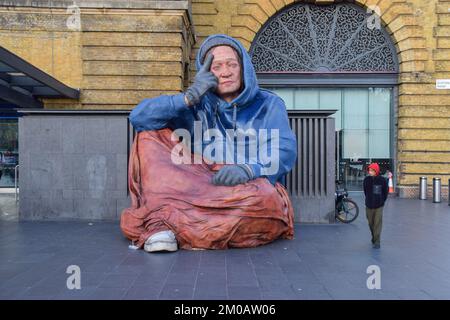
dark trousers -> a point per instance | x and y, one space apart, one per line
375 219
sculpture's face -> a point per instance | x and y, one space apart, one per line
227 69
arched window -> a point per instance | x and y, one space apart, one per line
333 38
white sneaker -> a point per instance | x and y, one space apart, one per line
161 241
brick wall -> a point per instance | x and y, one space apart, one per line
122 52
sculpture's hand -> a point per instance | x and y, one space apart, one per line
231 175
204 81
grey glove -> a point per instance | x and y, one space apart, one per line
232 175
203 82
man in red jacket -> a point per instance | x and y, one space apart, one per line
376 192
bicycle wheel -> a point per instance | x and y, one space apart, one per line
348 212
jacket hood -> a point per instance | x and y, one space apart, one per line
251 87
375 167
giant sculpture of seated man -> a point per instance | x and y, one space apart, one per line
206 165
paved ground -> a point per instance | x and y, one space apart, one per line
323 262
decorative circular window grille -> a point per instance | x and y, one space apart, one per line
333 38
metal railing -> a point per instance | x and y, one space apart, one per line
16 187
310 184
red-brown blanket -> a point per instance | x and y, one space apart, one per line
181 197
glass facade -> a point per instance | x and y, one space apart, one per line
9 150
363 126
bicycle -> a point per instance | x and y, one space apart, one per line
346 210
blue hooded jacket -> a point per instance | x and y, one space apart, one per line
254 108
